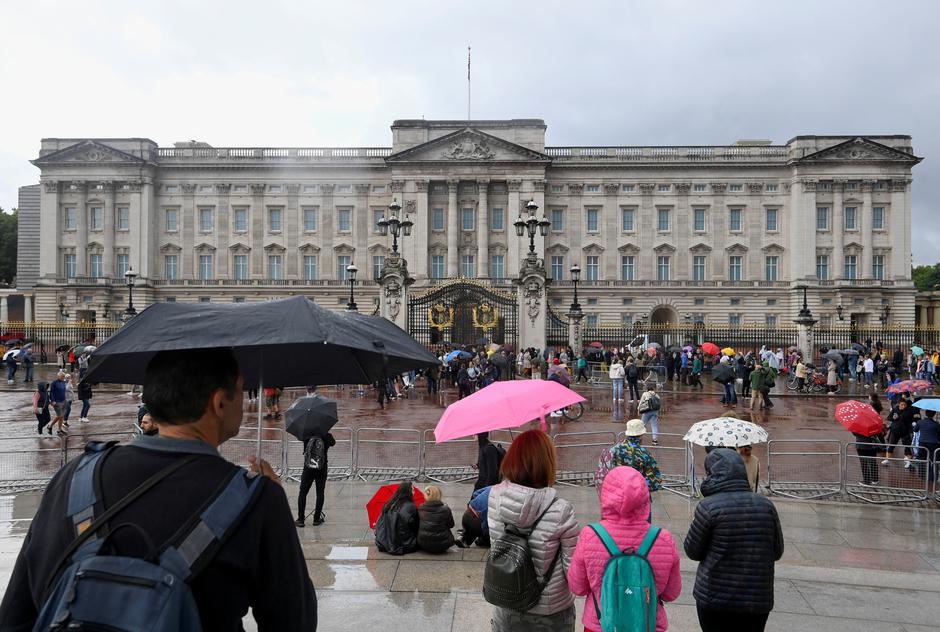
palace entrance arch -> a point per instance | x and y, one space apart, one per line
462 312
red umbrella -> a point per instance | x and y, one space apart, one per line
375 504
597 345
711 348
860 418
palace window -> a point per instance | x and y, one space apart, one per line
878 218
468 266
378 262
557 188
437 266
734 301
310 220
437 219
770 320
379 188
377 215
205 267
591 320
592 188
497 267
626 319
275 223
344 215
343 262
662 268
344 188
734 219
205 220
662 220
627 301
497 218
698 188
627 188
628 217
69 218
240 219
770 188
771 265
593 215
467 222
123 218
822 267
664 188
240 267
735 188
850 223
122 262
735 267
68 266
170 266
627 268
851 267
558 220
698 220
95 267
308 188
698 268
558 267
310 267
878 267
593 268
275 267
96 218
822 218
771 217
734 320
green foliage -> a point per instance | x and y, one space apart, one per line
926 278
7 246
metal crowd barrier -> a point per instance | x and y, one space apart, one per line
674 460
796 472
449 462
339 458
577 455
890 480
387 454
23 469
238 450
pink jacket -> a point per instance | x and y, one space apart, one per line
625 506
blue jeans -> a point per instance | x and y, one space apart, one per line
86 405
651 417
11 371
617 384
730 396
29 371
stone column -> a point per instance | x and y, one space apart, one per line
327 230
107 258
145 257
256 226
223 212
453 229
4 309
81 244
804 336
681 228
363 232
27 308
574 330
645 225
513 212
611 224
935 320
50 225
866 226
189 268
838 231
537 195
421 233
483 230
900 235
393 291
533 305
803 229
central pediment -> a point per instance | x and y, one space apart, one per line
468 145
861 149
88 152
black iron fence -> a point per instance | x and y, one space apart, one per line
50 336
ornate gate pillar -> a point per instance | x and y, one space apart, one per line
533 303
574 330
393 290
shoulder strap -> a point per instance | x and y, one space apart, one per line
648 541
82 494
542 515
604 536
200 543
83 491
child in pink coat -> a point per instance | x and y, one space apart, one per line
625 506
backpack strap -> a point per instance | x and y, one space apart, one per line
214 525
648 541
82 493
604 536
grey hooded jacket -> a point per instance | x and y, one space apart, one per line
521 506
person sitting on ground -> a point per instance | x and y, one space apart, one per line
435 521
631 453
527 500
625 505
396 530
736 538
475 527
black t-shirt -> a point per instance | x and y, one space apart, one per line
261 565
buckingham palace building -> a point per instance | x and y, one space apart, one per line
662 234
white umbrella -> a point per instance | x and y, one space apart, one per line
725 432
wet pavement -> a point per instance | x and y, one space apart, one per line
846 567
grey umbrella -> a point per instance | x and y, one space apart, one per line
849 352
835 356
309 416
859 347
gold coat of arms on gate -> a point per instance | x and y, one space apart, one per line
485 316
440 316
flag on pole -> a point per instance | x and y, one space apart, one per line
468 63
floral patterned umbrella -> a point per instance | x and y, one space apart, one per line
726 432
909 386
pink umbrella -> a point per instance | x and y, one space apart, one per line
503 405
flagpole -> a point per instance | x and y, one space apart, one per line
468 83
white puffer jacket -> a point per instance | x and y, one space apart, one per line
521 506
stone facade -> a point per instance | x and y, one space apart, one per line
719 233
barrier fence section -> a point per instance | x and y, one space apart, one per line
796 471
674 459
879 480
23 469
238 450
387 454
339 459
578 454
449 462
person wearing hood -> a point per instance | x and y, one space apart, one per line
526 499
489 458
396 530
736 538
41 405
625 505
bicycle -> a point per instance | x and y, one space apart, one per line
573 412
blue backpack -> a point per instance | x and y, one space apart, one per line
628 589
97 591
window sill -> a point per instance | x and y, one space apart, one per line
310 232
122 230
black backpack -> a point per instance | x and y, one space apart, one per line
509 578
632 373
315 454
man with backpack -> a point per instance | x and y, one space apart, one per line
649 406
315 471
489 458
183 539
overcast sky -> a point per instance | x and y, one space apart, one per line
337 73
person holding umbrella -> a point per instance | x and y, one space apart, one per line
929 431
10 358
866 425
310 419
901 430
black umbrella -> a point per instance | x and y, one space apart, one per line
12 341
859 347
62 348
835 356
723 373
309 416
290 342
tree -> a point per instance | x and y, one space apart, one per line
926 278
7 246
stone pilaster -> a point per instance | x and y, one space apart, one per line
393 291
513 212
223 213
84 217
422 231
837 265
483 230
50 217
533 303
866 226
110 224
453 229
327 230
189 268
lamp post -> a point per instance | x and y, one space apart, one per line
840 311
575 278
63 313
129 277
532 225
351 271
885 313
805 311
395 225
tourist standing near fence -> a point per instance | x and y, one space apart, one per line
617 374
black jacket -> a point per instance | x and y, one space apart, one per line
903 420
736 537
488 461
435 522
260 566
396 532
929 430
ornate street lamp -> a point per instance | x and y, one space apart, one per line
805 311
395 225
129 278
885 314
532 225
575 278
840 311
351 271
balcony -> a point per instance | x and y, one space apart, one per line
280 155
255 283
776 154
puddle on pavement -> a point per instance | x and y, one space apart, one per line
347 553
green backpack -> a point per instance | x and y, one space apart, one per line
628 589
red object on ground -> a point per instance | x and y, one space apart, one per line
375 504
596 345
860 418
711 348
